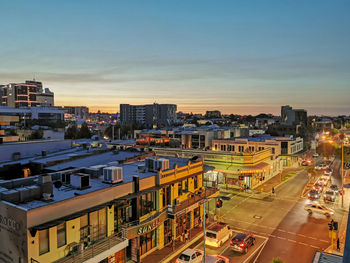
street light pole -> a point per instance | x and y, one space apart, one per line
204 229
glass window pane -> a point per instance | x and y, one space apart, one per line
43 241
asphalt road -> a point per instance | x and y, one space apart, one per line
293 234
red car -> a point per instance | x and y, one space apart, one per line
241 242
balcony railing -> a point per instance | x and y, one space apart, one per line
78 254
196 198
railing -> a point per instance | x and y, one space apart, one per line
196 198
78 254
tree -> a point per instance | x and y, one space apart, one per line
84 132
72 132
277 260
36 135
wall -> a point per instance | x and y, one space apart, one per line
12 233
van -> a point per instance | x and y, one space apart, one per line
218 234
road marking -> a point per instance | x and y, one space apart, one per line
282 238
314 247
291 240
247 260
301 243
313 238
262 248
291 233
322 240
281 230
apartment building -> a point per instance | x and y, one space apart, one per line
151 115
101 213
28 94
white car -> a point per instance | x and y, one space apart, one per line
320 209
320 167
190 256
328 172
324 179
315 155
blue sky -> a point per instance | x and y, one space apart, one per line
242 57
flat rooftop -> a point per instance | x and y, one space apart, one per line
96 183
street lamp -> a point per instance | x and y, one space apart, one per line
205 199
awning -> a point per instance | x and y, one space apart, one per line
234 169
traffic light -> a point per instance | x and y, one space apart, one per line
335 226
218 203
330 225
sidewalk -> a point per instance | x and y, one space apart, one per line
167 253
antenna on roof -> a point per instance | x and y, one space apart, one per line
34 77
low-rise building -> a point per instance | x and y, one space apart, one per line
101 213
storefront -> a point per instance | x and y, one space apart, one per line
143 238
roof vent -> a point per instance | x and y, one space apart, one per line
113 175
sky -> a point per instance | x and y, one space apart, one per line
240 57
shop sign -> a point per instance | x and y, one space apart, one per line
146 227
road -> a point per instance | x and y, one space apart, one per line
291 232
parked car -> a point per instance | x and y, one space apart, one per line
329 195
216 259
320 209
328 172
324 179
306 162
315 155
218 234
241 242
190 256
313 194
334 187
320 167
318 187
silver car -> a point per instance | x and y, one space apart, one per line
320 209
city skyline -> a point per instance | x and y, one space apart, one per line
237 58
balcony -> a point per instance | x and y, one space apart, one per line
210 192
95 252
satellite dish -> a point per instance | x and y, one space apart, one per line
57 184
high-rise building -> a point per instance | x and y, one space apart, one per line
28 94
292 116
149 115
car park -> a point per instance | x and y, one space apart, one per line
320 209
218 234
329 196
241 242
313 194
216 259
190 256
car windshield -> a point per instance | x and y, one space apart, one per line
211 235
184 257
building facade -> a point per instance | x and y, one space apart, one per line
28 94
85 215
292 116
150 115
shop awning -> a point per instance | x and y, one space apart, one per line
252 169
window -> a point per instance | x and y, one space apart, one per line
44 241
186 185
84 228
216 147
195 182
233 148
228 148
179 188
273 150
61 234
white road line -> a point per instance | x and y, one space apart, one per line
281 230
247 260
291 240
301 243
262 248
314 247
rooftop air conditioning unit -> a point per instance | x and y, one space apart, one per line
162 164
80 180
113 175
65 178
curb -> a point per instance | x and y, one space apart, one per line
297 173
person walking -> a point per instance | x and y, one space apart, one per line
215 218
273 191
186 235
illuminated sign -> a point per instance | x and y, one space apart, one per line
149 227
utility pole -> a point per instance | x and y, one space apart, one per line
342 173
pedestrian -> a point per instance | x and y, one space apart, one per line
200 222
215 218
338 244
206 217
273 190
186 235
